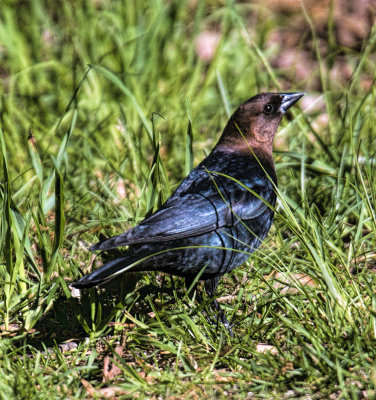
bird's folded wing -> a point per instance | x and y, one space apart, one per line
191 216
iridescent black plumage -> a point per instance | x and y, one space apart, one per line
221 211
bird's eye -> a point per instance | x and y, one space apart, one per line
268 108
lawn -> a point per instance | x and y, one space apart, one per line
105 106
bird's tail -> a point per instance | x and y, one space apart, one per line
104 274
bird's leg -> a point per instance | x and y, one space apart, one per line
210 287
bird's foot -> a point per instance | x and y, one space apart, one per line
221 318
225 322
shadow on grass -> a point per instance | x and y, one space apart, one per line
96 310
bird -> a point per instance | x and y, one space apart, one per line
219 214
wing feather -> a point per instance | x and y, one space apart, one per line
192 215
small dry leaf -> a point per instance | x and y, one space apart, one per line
106 393
67 346
110 392
227 299
289 366
89 388
287 283
223 379
11 328
266 348
124 324
109 372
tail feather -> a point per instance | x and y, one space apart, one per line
110 243
104 274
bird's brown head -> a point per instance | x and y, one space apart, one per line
255 122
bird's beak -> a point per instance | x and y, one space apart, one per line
289 99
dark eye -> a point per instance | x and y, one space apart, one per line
268 108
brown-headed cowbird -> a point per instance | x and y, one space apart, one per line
220 213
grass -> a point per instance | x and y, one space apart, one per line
105 107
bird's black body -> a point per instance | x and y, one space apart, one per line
218 215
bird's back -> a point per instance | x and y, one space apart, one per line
246 190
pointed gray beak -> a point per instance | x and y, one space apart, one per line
289 99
